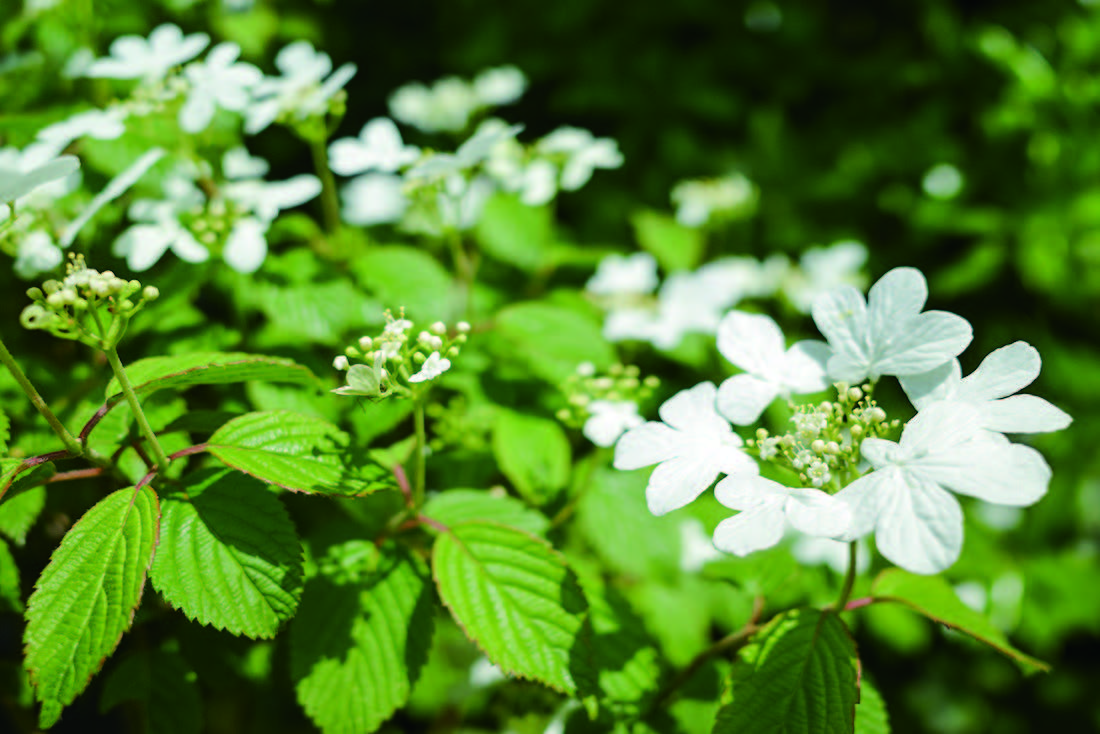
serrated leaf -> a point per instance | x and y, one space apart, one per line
457 506
407 277
301 453
533 453
207 368
934 598
871 716
797 674
11 593
228 555
20 508
163 685
515 597
87 595
515 233
361 638
674 246
550 341
17 477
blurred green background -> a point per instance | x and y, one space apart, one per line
960 138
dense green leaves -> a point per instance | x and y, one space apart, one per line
361 637
228 554
463 505
207 368
516 598
797 674
933 597
549 340
85 599
164 688
298 452
533 453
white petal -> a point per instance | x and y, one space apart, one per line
348 156
1003 372
751 530
923 343
815 513
880 452
841 315
926 388
692 409
197 112
188 249
1024 414
246 246
647 444
677 482
143 245
865 498
742 398
750 341
991 469
921 527
744 491
896 298
803 369
941 426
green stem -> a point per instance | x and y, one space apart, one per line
421 459
330 202
143 423
849 578
464 268
74 446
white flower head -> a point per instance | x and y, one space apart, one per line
691 447
918 524
446 106
609 419
624 275
378 148
990 390
754 343
218 81
499 86
433 367
303 90
373 198
158 227
822 269
134 57
699 199
37 254
887 334
765 508
583 153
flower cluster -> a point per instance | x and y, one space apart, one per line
451 103
87 305
605 405
702 201
394 363
853 478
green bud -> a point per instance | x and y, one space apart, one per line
35 294
149 292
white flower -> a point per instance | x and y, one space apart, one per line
583 154
918 524
537 184
218 81
302 91
98 124
696 547
754 343
159 227
115 188
685 305
887 334
266 199
731 279
766 507
499 86
471 153
378 148
698 200
462 201
37 254
373 198
824 268
446 106
608 419
133 57
624 275
22 173
691 448
238 163
433 367
989 389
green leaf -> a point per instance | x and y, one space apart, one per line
228 555
87 595
164 687
11 593
207 368
515 597
21 507
16 477
675 246
515 233
550 341
407 277
797 674
361 638
301 453
933 597
871 716
5 432
457 506
533 453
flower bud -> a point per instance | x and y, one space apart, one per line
340 362
857 430
419 358
818 446
438 328
365 343
854 394
150 293
34 294
462 327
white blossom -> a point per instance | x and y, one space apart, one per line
499 86
106 124
378 148
755 343
887 334
918 524
303 90
446 106
158 227
23 172
989 389
582 152
624 275
691 447
609 419
433 367
218 81
373 198
698 200
822 269
134 57
37 254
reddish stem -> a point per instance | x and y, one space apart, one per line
857 603
68 476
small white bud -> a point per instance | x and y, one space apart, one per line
438 328
365 343
855 394
340 363
462 327
818 446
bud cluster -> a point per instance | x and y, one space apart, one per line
90 306
396 363
621 384
822 446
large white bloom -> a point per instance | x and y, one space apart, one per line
378 148
218 81
917 523
158 227
133 57
989 389
303 90
887 334
608 419
754 343
691 447
765 508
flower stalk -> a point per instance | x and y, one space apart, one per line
160 458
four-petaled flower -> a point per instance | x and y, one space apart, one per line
379 147
134 57
433 367
218 81
608 419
